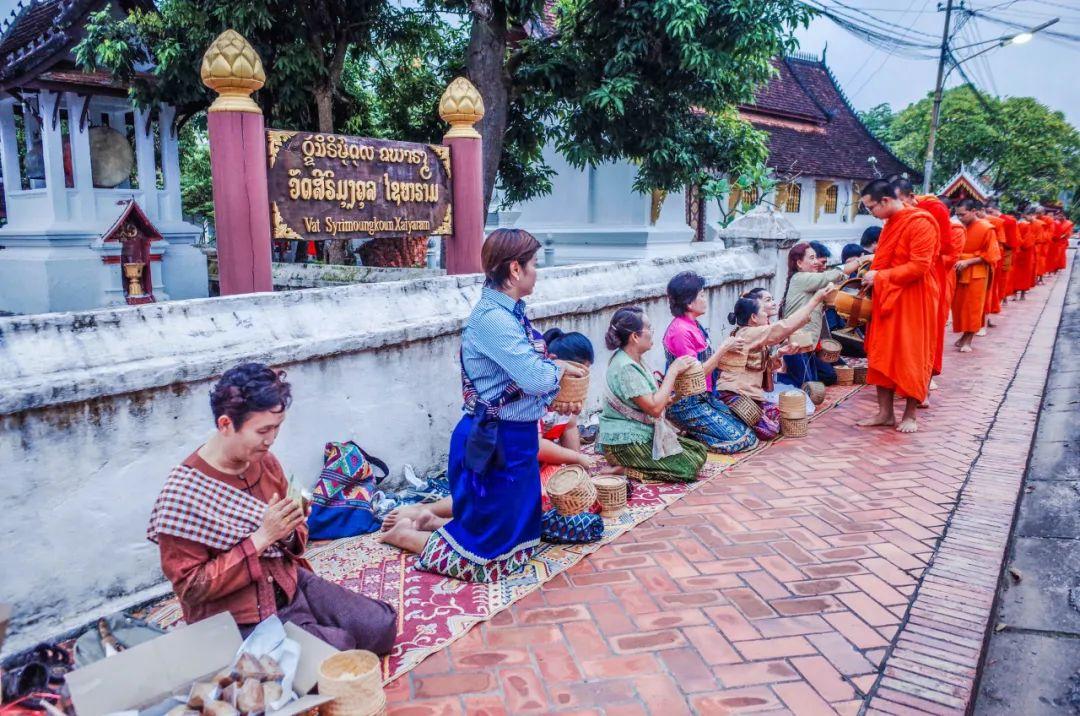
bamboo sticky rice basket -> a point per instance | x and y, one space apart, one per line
691 381
859 375
354 679
611 494
816 391
571 490
746 410
573 389
792 404
794 427
829 351
845 375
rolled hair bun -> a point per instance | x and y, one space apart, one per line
612 340
553 334
731 318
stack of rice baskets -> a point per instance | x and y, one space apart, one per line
845 375
611 494
691 381
816 391
573 389
354 679
829 351
571 490
793 419
859 375
746 410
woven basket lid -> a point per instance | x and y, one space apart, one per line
565 479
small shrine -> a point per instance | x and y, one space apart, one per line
91 208
965 185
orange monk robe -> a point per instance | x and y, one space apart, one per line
1069 227
969 303
1061 245
996 290
1012 245
943 266
900 336
1043 245
1024 261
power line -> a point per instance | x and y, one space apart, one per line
885 59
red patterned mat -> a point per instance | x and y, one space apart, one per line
434 611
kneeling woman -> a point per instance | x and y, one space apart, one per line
748 367
703 417
633 430
494 471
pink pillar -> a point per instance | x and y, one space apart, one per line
241 203
467 169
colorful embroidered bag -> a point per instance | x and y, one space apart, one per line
341 500
571 529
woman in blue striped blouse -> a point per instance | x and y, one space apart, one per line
508 383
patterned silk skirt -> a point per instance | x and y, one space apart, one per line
706 419
639 463
496 523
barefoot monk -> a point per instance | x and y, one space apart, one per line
900 337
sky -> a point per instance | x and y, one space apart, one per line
1041 68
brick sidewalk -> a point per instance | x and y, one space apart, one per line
783 585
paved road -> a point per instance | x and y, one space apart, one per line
1032 665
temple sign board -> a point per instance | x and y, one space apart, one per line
332 186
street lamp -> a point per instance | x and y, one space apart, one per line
1019 38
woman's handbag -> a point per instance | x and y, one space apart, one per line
341 500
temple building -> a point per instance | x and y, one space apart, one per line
819 151
91 183
965 184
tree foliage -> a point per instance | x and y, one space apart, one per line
878 119
1026 150
655 82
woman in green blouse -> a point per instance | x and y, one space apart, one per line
633 430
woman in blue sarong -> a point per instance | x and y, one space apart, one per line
703 417
507 384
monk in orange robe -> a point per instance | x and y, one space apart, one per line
1025 266
1011 246
1042 254
945 258
974 273
1063 242
993 291
900 336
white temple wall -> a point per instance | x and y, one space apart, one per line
96 407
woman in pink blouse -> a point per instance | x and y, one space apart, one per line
705 418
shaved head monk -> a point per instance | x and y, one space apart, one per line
946 257
973 273
900 336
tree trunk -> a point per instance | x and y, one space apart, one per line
486 68
336 250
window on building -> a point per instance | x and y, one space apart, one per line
789 198
832 196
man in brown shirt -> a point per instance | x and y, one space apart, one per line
231 538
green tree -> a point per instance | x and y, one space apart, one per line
653 81
196 189
650 81
879 119
967 132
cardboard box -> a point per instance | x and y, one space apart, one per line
147 674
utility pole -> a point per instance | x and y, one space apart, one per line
928 166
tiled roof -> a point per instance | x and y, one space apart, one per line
40 34
813 130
